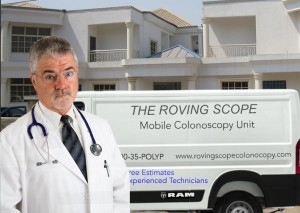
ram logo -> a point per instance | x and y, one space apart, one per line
177 195
163 195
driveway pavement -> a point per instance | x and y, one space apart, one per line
288 210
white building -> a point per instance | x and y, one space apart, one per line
244 45
251 43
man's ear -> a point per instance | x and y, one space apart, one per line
33 80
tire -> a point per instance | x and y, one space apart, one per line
238 202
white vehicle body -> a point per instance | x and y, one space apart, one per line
195 150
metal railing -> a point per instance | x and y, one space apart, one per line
110 55
232 50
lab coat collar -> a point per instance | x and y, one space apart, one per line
51 118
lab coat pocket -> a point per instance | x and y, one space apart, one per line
99 174
100 185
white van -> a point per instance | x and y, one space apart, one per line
230 151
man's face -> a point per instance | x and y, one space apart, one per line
56 82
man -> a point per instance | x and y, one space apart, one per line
40 171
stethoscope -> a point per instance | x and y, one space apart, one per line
95 148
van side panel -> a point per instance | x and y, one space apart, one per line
181 147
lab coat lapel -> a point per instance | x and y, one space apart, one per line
92 161
59 152
57 149
95 164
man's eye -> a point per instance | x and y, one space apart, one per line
49 77
69 74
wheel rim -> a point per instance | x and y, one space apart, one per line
239 207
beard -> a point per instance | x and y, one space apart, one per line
62 99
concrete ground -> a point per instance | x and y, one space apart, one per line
287 210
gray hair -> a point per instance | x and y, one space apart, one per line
51 46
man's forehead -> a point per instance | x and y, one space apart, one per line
57 60
56 56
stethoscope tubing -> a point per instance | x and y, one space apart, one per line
87 126
35 123
95 148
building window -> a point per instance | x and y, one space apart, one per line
234 85
153 47
167 85
274 84
24 37
195 44
104 87
20 87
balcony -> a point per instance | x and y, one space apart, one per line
232 50
110 55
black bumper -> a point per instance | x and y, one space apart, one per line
281 190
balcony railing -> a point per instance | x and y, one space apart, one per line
111 55
232 50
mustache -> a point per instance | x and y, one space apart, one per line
59 92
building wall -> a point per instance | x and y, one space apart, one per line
111 36
296 21
231 30
207 83
151 32
183 40
275 32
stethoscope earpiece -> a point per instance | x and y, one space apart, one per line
41 163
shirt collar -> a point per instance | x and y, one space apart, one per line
53 118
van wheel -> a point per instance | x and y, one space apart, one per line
238 202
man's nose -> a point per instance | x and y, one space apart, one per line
61 82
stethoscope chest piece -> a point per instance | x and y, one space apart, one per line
96 149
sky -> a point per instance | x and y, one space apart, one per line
188 10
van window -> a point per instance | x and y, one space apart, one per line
15 111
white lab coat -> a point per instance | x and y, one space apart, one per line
60 188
